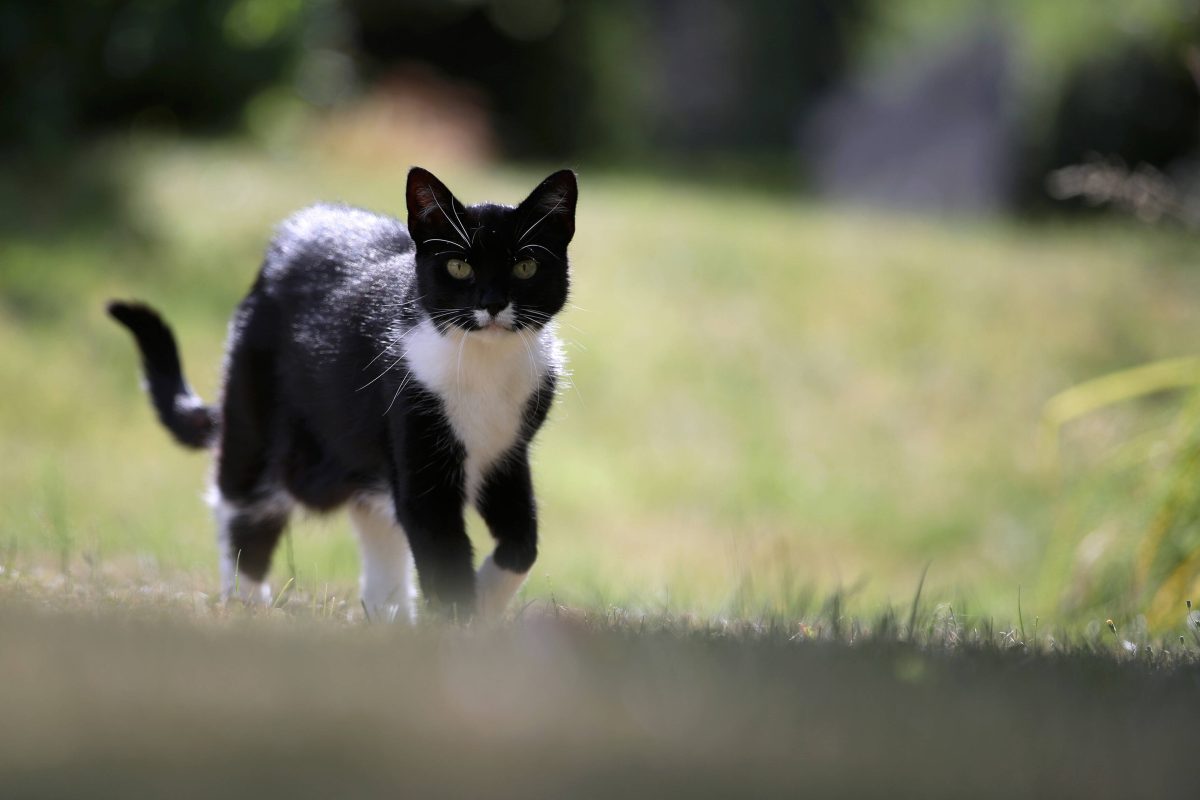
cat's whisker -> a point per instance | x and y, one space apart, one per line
399 389
390 367
528 355
443 241
461 227
462 344
391 304
444 319
575 328
540 247
399 338
387 348
542 318
570 382
460 231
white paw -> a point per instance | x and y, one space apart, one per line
250 592
399 607
494 587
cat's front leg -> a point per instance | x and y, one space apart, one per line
432 515
428 489
506 503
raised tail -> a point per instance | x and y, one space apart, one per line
190 421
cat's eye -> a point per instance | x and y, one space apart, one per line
525 268
459 269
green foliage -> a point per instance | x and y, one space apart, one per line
1168 559
1054 38
1107 390
164 64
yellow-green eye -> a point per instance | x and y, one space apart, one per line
459 269
525 268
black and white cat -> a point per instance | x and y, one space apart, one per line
401 372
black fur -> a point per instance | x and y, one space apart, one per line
310 406
179 408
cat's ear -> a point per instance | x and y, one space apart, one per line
549 211
433 212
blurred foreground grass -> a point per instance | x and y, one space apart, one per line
121 690
772 401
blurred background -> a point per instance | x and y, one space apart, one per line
863 289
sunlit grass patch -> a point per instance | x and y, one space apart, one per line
770 400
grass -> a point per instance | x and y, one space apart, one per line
783 418
771 400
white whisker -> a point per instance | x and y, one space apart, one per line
461 346
444 241
380 375
460 231
461 227
531 244
400 389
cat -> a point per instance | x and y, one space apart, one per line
401 372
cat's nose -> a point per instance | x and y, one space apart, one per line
494 308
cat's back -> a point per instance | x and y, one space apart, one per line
329 243
328 279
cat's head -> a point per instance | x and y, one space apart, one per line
490 267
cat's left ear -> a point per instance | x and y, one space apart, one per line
433 212
550 208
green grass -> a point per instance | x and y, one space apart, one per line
802 530
771 400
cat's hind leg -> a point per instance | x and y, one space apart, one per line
386 581
248 501
247 533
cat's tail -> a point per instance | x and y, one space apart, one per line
181 410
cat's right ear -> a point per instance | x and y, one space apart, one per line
549 211
433 212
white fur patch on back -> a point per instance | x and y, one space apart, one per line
484 380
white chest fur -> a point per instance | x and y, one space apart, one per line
484 380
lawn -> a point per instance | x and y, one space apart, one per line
772 401
805 530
